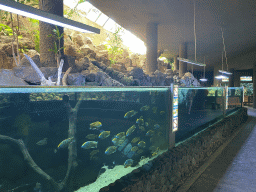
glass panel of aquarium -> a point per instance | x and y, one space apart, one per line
198 108
235 99
102 133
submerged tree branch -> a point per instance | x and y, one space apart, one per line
30 161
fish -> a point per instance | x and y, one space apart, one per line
150 133
140 151
142 128
120 141
154 109
130 130
110 150
104 134
135 140
95 125
128 163
65 143
144 108
135 148
162 112
146 124
94 152
115 140
152 148
89 144
155 152
96 158
91 136
142 144
119 135
130 114
156 126
42 142
140 121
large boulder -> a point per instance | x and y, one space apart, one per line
24 62
76 79
136 73
7 78
29 74
4 61
78 39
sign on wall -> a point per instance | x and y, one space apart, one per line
175 108
226 89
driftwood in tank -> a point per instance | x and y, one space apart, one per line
72 149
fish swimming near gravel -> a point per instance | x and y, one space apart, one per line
150 133
91 136
95 125
42 142
89 144
140 121
144 108
156 126
130 130
104 134
65 143
130 114
142 144
128 163
110 150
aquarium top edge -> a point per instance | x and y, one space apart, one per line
66 89
209 87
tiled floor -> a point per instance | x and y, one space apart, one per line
234 170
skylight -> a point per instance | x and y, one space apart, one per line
92 13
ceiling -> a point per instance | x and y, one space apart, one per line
175 20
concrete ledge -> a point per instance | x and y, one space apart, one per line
172 168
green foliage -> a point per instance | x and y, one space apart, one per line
70 13
30 2
58 36
168 61
37 40
7 31
24 49
113 46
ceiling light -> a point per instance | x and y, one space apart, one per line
225 72
190 61
221 77
28 11
203 80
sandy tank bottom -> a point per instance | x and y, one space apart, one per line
111 175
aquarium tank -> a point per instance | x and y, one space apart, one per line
59 138
200 107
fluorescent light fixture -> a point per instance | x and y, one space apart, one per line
246 78
203 80
190 61
225 72
221 77
28 11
